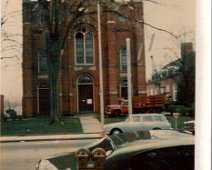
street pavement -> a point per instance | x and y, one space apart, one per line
90 125
26 155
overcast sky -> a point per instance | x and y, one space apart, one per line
176 16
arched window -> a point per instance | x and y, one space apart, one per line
85 80
43 85
84 46
123 60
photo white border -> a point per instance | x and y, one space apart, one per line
203 85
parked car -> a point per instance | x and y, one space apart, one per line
190 126
139 122
148 150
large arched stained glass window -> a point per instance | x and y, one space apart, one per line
84 46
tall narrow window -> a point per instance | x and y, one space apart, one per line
123 60
89 48
42 62
79 48
123 89
84 47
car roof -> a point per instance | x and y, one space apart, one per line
158 139
148 114
191 121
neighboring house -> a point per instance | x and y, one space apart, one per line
79 77
167 87
176 80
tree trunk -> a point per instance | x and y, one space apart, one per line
53 74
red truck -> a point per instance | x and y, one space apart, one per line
140 104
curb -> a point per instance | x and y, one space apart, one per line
50 138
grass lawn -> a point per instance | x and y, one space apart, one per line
180 121
40 126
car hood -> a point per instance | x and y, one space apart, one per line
65 161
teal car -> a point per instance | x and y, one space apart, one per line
148 150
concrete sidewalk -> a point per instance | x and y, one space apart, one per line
90 125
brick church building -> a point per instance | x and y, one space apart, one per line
79 76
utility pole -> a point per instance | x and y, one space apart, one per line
129 81
101 93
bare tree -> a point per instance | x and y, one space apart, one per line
54 16
9 40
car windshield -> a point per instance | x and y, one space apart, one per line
122 138
124 103
110 143
133 119
106 143
127 119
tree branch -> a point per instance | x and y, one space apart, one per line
70 24
159 29
10 40
152 1
11 57
10 15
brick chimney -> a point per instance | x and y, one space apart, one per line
186 49
26 5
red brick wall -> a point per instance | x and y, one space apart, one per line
114 34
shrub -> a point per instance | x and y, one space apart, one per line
12 113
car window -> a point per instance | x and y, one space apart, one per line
124 103
159 118
147 118
173 158
127 119
136 118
